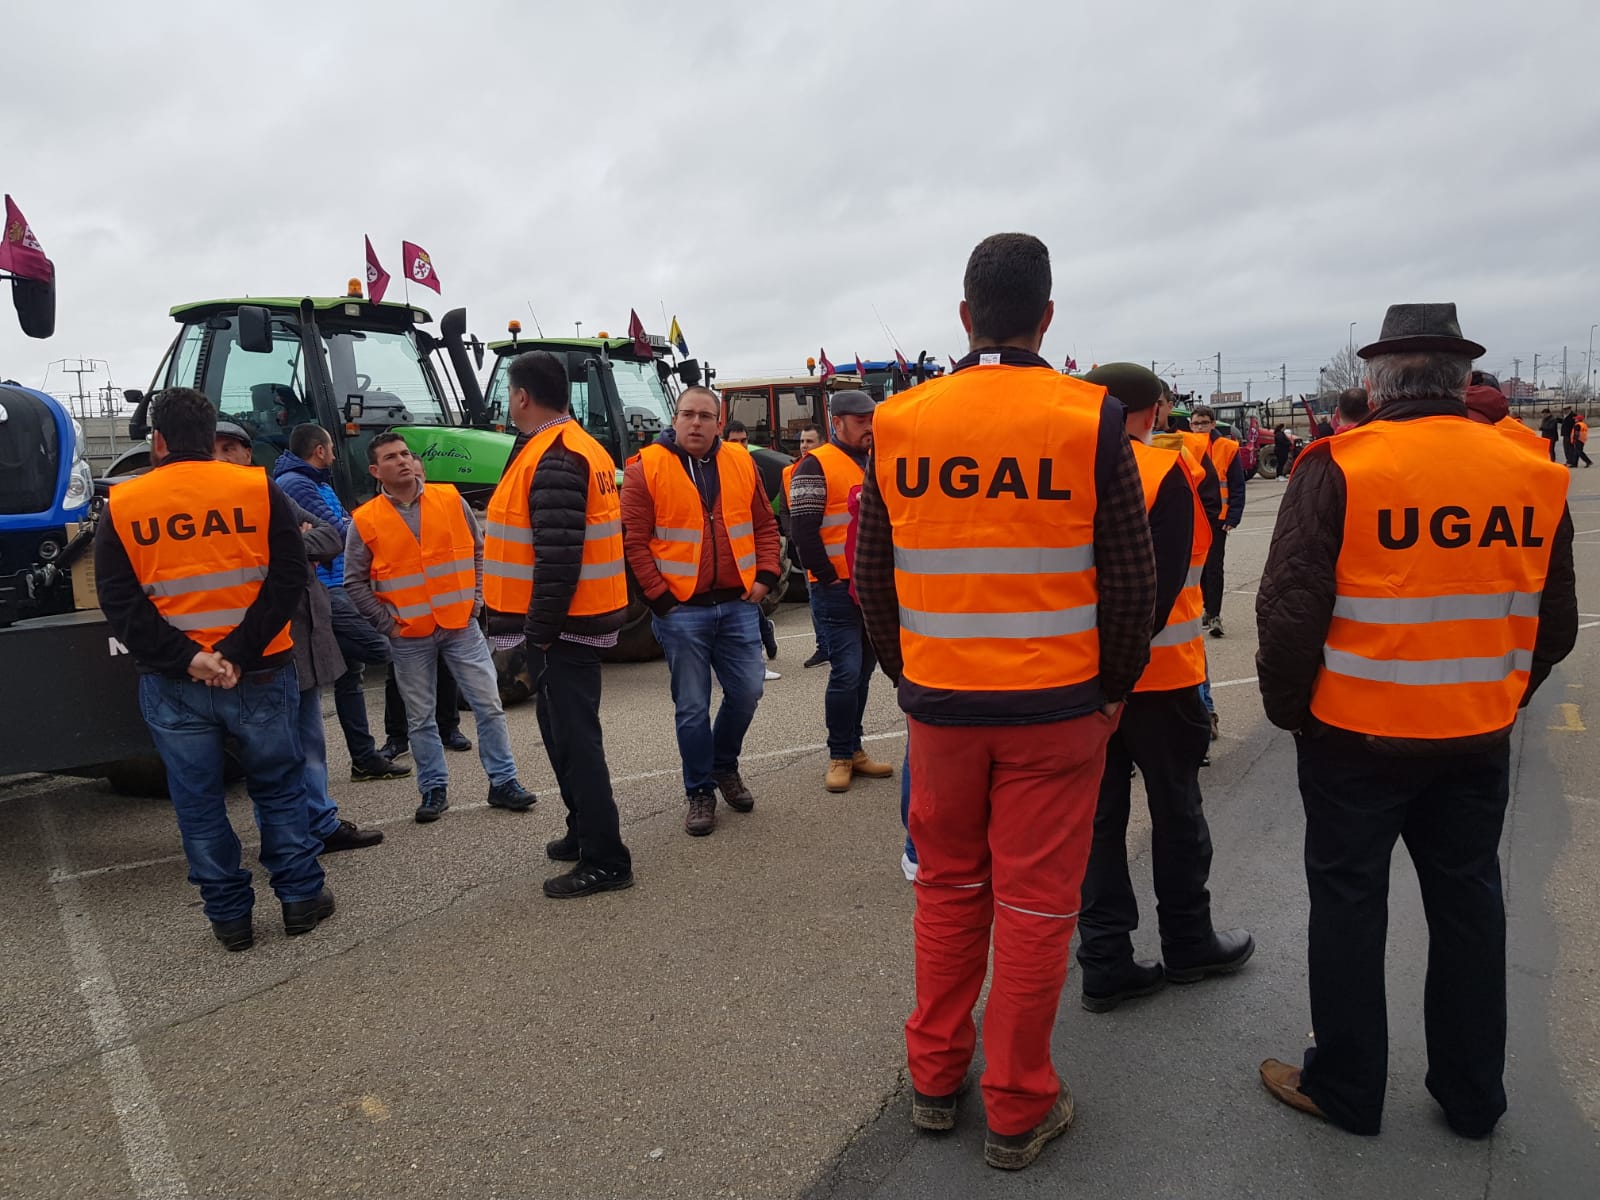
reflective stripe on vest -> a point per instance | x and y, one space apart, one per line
681 516
841 474
428 584
508 557
196 538
1178 652
993 532
1438 580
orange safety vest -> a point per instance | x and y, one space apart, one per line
1523 436
1222 451
431 584
196 537
1438 580
1580 432
993 530
681 516
842 474
508 535
1178 652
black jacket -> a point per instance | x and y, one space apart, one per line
1295 603
157 647
1172 540
558 505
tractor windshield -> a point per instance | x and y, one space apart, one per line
384 371
644 403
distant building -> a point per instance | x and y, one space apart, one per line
1518 389
1227 398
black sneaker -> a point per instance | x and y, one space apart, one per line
511 795
455 740
586 881
350 836
377 765
562 849
734 793
235 935
816 660
302 916
1134 980
1216 627
395 749
432 807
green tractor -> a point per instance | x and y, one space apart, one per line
624 400
352 366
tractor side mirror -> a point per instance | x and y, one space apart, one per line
477 352
354 408
255 329
139 422
36 306
689 372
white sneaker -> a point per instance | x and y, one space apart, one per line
907 867
771 674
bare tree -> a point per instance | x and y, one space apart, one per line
1344 370
1575 388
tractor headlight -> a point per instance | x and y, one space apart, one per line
80 486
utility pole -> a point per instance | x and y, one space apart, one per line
1283 382
1247 384
1590 361
1516 369
83 367
1564 375
1219 376
1536 376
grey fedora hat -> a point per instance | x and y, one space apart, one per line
1412 327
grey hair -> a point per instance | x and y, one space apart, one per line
1428 375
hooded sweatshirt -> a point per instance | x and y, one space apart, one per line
312 489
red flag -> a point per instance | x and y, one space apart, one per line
418 266
860 370
641 343
827 367
20 252
901 359
377 277
1072 364
952 359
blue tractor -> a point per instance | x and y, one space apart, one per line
45 483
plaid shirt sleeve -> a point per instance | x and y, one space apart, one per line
1124 560
873 572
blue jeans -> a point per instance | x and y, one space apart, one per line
851 663
725 638
324 813
360 644
905 800
416 671
816 621
189 723
1205 693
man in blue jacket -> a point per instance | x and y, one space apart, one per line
304 475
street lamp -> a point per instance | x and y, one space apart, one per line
1350 346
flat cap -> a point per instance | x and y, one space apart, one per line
1137 387
229 430
850 404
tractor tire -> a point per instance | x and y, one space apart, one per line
1266 465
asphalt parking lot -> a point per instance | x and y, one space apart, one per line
731 1025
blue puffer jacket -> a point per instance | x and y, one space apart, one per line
312 489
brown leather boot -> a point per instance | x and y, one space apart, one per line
862 765
701 818
1014 1151
839 772
1283 1081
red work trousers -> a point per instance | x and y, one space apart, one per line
1002 817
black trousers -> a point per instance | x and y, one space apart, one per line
1449 811
1211 573
447 706
567 682
1165 735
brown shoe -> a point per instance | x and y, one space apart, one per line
862 765
701 818
1013 1151
734 793
1283 1081
839 773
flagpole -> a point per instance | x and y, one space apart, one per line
665 324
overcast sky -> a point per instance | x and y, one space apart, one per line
1238 177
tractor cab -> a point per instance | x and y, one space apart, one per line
622 398
355 367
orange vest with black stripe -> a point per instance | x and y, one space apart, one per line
428 584
993 528
841 473
508 535
1438 580
196 537
1222 451
1178 652
675 543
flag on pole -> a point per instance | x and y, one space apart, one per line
675 336
377 277
827 367
952 359
861 370
1072 363
641 343
20 252
900 360
418 266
